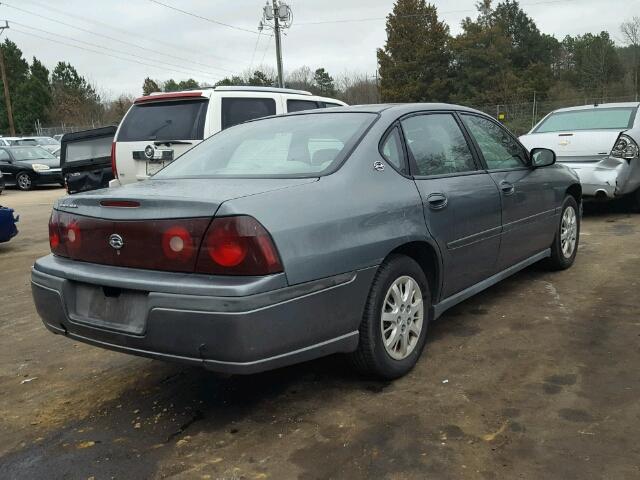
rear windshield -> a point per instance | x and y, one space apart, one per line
591 119
30 153
90 149
297 145
179 120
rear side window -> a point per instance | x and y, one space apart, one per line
437 145
178 120
392 149
298 105
330 105
238 110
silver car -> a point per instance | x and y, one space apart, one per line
288 238
599 142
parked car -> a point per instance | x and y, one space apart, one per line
599 142
161 126
25 167
292 237
2 185
8 221
86 159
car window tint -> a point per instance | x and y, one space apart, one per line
298 105
175 120
4 155
238 110
437 144
392 150
331 105
498 148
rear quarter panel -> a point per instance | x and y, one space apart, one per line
346 221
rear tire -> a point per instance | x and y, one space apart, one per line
394 324
24 181
565 244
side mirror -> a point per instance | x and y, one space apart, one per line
542 157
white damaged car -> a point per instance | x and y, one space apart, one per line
599 142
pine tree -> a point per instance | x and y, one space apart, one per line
414 65
149 85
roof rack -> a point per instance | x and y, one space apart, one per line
245 88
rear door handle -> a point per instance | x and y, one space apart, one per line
507 188
437 201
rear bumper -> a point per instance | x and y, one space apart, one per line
607 178
243 328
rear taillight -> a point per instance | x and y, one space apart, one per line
114 167
238 246
54 233
178 244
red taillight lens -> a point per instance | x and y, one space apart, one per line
238 246
114 167
54 233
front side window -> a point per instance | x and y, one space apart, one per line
588 119
437 145
392 149
299 105
239 110
157 120
499 149
297 145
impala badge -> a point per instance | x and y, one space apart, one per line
116 242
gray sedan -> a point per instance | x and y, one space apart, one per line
293 237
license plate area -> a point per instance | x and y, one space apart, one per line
110 308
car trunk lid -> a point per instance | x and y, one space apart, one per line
574 146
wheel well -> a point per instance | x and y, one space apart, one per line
425 255
575 191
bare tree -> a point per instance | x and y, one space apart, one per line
631 32
357 88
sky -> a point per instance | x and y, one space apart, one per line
115 44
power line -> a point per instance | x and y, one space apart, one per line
266 49
98 52
253 56
104 36
137 33
107 48
372 19
207 19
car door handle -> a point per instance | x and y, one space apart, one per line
437 201
507 188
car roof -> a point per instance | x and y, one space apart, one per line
599 105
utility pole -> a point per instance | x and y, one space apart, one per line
5 83
281 15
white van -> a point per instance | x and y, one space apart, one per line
162 126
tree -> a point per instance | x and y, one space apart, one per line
149 86
188 84
596 62
260 79
17 71
631 34
301 78
75 101
34 98
414 63
323 83
170 86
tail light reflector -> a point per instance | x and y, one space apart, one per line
238 245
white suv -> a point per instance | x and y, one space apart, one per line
162 126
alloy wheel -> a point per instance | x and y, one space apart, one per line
568 232
402 317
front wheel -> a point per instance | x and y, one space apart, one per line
394 325
565 244
24 182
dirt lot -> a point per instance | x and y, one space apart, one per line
536 378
